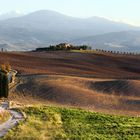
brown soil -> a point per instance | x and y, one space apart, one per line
100 82
111 96
78 64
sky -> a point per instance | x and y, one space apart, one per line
127 11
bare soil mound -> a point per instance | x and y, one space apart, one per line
112 96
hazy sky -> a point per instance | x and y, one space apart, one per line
121 10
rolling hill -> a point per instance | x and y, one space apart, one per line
77 64
100 82
103 95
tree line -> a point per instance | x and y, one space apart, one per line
115 52
63 46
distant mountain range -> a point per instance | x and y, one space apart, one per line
42 28
12 14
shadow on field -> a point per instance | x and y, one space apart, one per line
94 94
116 87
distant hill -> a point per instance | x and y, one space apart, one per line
12 14
50 20
122 41
42 28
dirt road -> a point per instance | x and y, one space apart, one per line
13 120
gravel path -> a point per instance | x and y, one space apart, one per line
13 120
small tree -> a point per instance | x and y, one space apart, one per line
8 67
3 67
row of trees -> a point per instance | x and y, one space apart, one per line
63 46
116 52
4 83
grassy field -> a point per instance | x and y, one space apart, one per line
52 123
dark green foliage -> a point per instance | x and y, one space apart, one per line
64 46
4 88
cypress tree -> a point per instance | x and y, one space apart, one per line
0 84
4 87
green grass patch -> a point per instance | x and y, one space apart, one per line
55 123
84 51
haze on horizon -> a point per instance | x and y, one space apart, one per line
126 11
